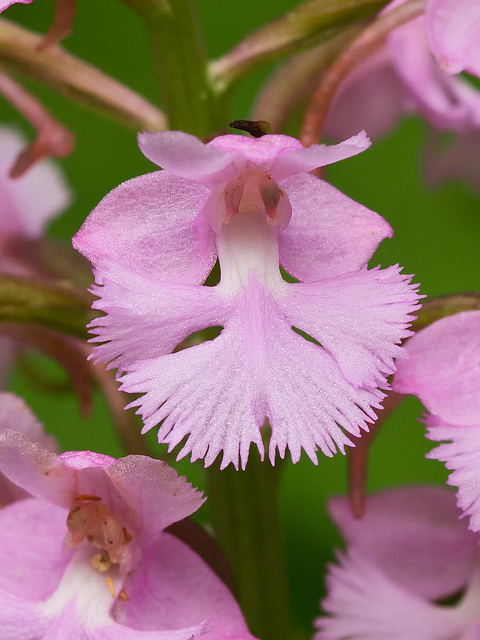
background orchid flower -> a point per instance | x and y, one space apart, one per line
86 556
444 372
407 555
413 73
251 203
16 416
27 204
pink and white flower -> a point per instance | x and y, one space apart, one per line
410 553
444 372
85 554
308 356
414 73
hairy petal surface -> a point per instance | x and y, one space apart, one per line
329 234
220 392
461 454
146 319
151 226
444 368
359 318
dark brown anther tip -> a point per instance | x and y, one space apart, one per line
256 128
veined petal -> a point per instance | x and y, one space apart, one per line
148 318
220 392
174 589
359 318
444 368
453 30
418 523
461 454
329 233
363 603
151 226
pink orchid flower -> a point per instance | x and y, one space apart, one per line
27 204
444 372
408 555
308 356
413 73
85 554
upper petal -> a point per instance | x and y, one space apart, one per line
453 30
418 523
151 226
444 368
185 155
301 160
329 234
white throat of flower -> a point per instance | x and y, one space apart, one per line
247 213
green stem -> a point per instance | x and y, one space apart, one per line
246 520
181 62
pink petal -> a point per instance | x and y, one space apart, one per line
453 30
462 456
6 3
329 234
174 589
29 202
32 533
220 392
418 523
448 103
169 313
15 415
380 302
151 226
293 161
372 97
154 491
444 368
184 155
364 603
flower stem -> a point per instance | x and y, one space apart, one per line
181 62
246 520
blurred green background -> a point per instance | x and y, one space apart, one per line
436 237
